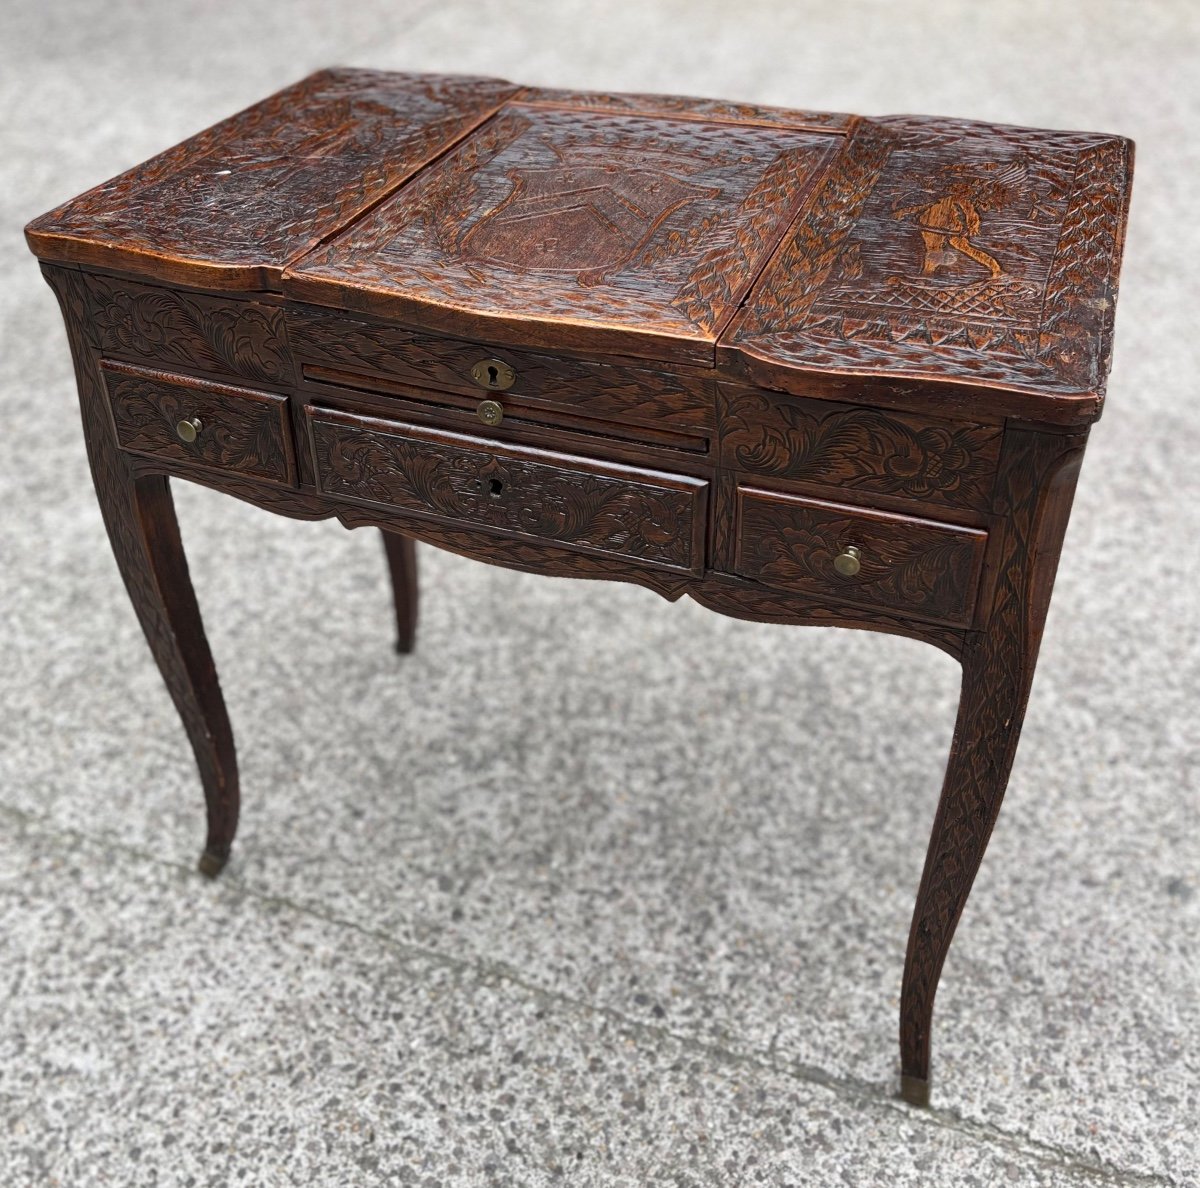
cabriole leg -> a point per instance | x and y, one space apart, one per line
1034 490
144 533
402 565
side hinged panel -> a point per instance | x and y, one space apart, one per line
956 252
231 207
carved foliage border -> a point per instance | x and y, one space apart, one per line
243 339
654 524
859 448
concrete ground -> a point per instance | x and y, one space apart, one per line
573 896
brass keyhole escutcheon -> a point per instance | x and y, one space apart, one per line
493 374
189 429
490 413
848 562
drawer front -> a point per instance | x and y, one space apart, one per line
333 347
913 566
645 516
234 429
871 450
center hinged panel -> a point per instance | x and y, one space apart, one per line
633 233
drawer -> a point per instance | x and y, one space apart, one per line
227 428
624 511
846 554
336 348
875 451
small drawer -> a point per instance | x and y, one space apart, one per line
335 348
210 425
624 511
913 566
849 447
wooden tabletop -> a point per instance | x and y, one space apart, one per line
784 246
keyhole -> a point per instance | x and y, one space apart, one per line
493 377
494 488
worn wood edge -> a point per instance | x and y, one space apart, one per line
663 105
1038 406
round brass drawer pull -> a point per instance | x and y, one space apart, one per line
848 562
494 374
490 412
189 429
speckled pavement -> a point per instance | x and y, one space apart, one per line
569 896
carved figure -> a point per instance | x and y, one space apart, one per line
950 220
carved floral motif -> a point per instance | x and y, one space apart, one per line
625 516
164 326
862 449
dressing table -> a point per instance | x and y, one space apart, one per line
802 367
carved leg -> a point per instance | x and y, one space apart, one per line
985 739
140 518
402 563
152 562
1035 487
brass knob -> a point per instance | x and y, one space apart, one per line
189 429
490 412
848 562
494 374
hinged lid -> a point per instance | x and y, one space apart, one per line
951 251
561 224
230 208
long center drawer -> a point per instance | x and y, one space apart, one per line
625 511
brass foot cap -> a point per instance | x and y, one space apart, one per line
914 1090
211 863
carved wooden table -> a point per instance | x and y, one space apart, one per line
802 367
